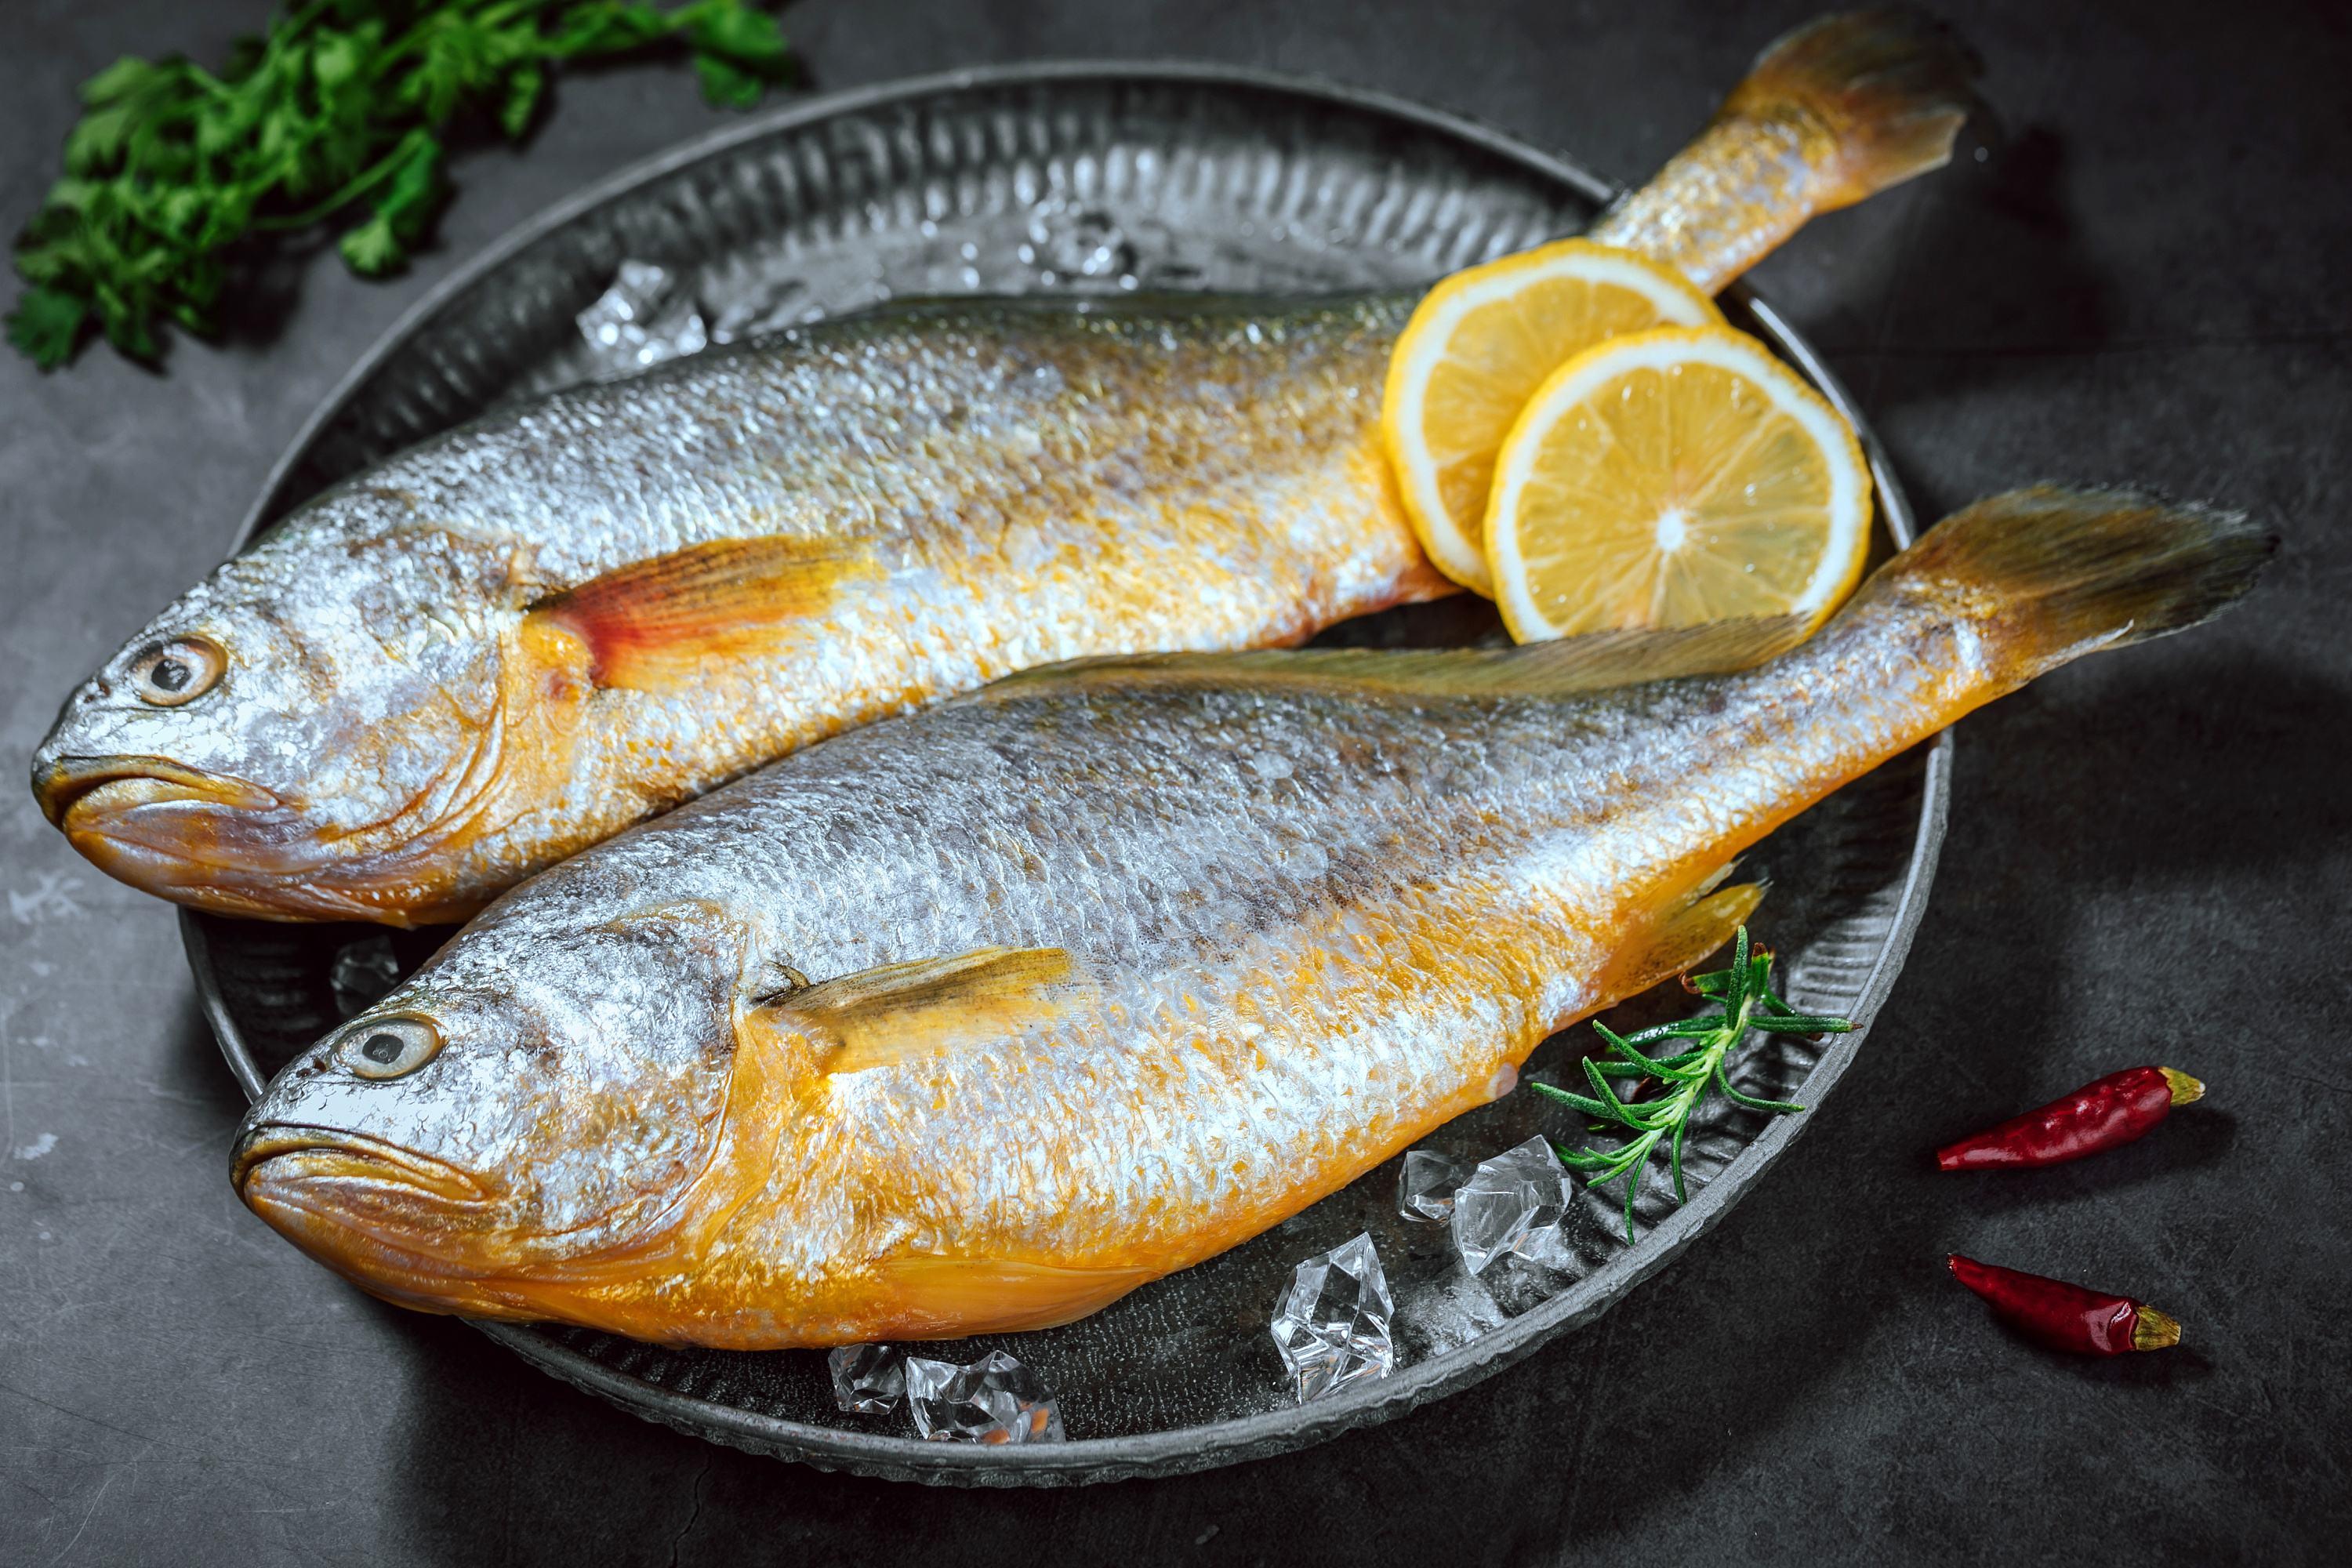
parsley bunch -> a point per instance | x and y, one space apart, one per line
176 176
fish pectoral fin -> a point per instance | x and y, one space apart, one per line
937 1297
1569 667
1695 924
654 625
901 1012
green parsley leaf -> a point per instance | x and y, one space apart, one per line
46 325
372 250
179 181
524 90
727 84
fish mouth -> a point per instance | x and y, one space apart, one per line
337 1153
230 847
116 784
401 1224
222 844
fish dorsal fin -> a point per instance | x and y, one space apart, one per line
902 1012
1597 661
653 625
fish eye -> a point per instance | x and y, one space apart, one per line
390 1048
178 671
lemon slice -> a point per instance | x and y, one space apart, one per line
1476 350
1672 478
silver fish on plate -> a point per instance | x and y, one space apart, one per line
978 1019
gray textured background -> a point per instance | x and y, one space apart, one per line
2147 861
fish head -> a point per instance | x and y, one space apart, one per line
300 736
525 1117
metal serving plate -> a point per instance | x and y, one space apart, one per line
1074 179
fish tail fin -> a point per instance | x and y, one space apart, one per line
2047 573
1836 110
1891 85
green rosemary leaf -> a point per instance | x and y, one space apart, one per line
1743 1000
1805 1024
1587 1107
1636 1060
1778 1107
1614 1107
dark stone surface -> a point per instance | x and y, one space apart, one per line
2147 861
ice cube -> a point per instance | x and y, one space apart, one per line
363 974
868 1380
993 1399
1331 1327
1514 1202
1425 1187
645 317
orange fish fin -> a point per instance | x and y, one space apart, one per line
1891 87
1569 667
902 1012
942 1297
2047 573
1695 923
655 625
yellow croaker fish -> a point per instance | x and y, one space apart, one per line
977 1019
514 641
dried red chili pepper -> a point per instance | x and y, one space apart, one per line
2067 1317
2117 1108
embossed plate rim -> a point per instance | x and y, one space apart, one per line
1185 1448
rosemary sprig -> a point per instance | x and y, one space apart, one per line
1743 998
